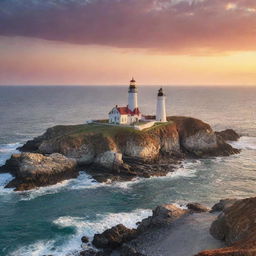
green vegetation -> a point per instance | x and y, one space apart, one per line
101 128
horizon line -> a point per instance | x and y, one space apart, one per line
122 85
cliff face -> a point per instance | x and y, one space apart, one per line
120 153
86 142
236 226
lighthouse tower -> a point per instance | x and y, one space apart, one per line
160 107
133 96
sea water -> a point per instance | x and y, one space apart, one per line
52 220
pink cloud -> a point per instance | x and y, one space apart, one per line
187 27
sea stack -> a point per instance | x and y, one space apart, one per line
160 106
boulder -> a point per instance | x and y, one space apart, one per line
236 226
162 215
114 237
228 135
196 207
34 170
85 239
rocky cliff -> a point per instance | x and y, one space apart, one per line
237 227
120 153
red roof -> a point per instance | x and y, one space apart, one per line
127 111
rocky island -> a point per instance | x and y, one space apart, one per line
111 153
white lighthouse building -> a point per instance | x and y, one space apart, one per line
160 107
130 114
132 95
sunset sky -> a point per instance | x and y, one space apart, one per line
105 42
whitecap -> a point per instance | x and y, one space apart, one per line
83 181
6 150
5 178
245 142
83 226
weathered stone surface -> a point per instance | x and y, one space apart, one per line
197 138
196 207
129 251
114 237
162 215
92 252
223 205
228 135
236 226
33 170
109 159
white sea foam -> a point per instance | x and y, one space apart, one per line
245 142
83 226
5 178
83 181
6 150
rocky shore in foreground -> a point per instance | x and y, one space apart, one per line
228 228
114 153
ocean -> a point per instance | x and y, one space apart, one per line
52 220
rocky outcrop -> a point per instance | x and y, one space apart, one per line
119 235
236 226
114 237
107 145
119 153
162 215
34 170
196 207
228 135
170 224
198 139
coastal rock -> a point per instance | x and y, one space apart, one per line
85 239
223 205
197 138
162 216
236 226
127 250
196 207
33 170
228 135
114 237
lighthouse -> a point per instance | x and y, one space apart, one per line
160 107
132 96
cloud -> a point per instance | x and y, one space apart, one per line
174 26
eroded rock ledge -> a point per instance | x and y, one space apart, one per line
114 152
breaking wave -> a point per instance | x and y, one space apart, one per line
83 226
6 150
245 142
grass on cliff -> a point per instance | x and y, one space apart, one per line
107 130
